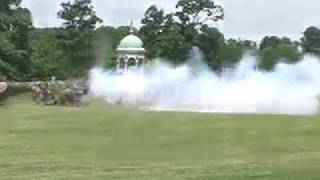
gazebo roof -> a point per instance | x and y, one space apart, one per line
131 42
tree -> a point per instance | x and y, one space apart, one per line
8 70
311 40
162 36
274 41
210 41
288 53
79 15
270 57
274 49
106 40
80 20
172 44
198 12
249 45
47 59
230 53
15 25
172 35
151 30
194 14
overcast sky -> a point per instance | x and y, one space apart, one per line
249 19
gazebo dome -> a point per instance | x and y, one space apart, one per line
131 41
130 52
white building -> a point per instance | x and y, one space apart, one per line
130 52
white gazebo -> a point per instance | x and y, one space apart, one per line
130 52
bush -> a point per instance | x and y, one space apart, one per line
271 56
15 89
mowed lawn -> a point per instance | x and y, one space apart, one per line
100 141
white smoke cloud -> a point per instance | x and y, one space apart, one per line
289 89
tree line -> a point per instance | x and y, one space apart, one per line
28 53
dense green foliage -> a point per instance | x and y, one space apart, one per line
118 143
106 40
80 20
211 42
15 25
311 40
232 51
274 50
47 59
172 35
69 51
273 41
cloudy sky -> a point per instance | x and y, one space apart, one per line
250 19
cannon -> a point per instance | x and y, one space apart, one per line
59 93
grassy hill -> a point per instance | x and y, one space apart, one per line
121 143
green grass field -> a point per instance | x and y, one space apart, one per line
106 142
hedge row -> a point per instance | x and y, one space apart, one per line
15 89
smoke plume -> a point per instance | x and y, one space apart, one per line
289 89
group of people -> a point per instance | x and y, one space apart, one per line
3 87
58 93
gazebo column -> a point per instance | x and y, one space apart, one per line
118 63
126 64
137 62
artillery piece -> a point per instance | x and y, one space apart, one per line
59 93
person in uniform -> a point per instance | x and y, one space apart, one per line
36 92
